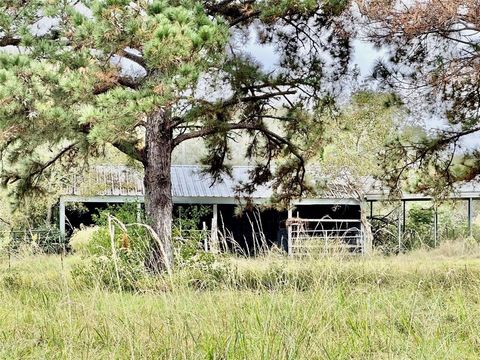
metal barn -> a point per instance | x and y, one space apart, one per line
325 223
316 222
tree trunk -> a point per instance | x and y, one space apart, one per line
158 187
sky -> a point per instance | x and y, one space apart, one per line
364 55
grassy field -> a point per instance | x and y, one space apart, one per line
425 305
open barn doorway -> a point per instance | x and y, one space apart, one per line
249 232
79 215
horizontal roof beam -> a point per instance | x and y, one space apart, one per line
196 200
421 197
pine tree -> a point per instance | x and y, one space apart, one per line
144 76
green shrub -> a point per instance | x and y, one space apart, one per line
120 264
117 267
188 238
81 239
127 213
419 228
109 272
116 263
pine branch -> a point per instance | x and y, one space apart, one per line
41 168
277 139
125 81
130 150
9 41
236 100
133 57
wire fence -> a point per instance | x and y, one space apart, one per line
308 237
45 241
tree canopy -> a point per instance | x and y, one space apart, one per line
87 73
434 63
358 133
145 76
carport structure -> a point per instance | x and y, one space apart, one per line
467 193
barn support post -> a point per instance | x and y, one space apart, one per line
470 217
139 212
399 226
289 231
62 218
205 234
214 230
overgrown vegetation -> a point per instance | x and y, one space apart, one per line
102 301
80 79
418 228
115 253
341 308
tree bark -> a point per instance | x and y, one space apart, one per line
158 187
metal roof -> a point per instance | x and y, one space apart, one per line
187 181
461 190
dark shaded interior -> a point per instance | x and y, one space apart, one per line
244 231
325 211
251 230
81 214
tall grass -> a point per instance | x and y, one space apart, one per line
418 306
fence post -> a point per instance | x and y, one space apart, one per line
205 234
9 250
214 246
400 232
366 236
289 231
139 212
63 252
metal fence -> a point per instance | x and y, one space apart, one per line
324 236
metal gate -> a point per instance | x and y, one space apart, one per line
309 237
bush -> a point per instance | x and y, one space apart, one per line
120 264
117 263
109 272
187 234
419 228
81 239
127 213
